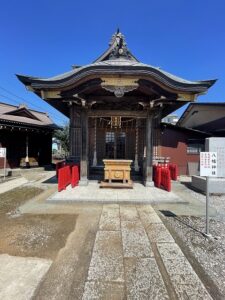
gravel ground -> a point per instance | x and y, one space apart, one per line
209 253
216 201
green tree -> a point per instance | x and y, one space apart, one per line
62 135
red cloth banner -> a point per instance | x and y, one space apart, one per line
161 177
75 176
58 166
173 171
64 178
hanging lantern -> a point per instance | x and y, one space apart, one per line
116 122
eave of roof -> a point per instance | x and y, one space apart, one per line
177 127
196 104
116 67
50 126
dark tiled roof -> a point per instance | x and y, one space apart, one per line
184 129
188 113
22 115
117 59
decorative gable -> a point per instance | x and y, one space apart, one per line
22 111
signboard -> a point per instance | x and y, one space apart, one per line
2 152
208 164
208 168
217 144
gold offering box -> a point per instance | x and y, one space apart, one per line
117 170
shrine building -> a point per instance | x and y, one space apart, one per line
115 105
27 136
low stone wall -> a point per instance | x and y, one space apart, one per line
216 185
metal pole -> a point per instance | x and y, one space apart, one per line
207 205
27 152
5 164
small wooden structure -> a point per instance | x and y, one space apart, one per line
117 173
27 135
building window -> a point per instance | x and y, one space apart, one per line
115 144
120 145
195 147
109 144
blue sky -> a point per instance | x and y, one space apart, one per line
44 38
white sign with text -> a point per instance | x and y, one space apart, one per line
208 164
2 152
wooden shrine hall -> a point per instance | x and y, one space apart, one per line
115 106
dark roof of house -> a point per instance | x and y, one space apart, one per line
184 129
206 116
117 59
25 116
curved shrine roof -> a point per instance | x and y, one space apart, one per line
117 59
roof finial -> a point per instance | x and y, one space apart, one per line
118 30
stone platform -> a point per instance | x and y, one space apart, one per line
216 185
93 193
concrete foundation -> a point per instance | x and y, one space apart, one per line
216 185
93 194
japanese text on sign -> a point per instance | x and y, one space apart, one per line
2 152
208 164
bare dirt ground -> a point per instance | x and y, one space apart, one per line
39 235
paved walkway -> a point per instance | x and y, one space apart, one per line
33 178
92 193
12 184
125 253
19 276
134 255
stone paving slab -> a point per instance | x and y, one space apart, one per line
169 251
107 258
135 240
128 213
148 209
143 279
185 281
148 216
104 291
157 232
19 276
110 218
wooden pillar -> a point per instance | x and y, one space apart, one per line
148 160
75 134
136 166
84 148
94 163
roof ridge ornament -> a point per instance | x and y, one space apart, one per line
119 46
